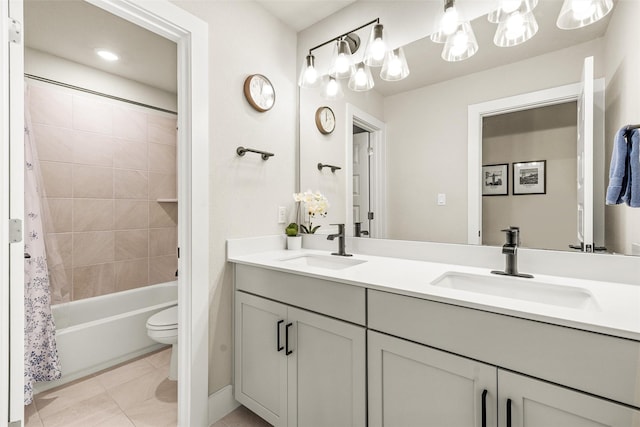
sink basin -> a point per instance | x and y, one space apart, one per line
322 261
520 289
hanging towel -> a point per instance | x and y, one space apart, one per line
632 194
619 169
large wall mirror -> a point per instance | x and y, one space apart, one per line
404 146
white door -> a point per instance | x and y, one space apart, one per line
415 385
361 181
260 360
12 206
585 157
525 402
327 372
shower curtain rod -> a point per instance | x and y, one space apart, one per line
93 92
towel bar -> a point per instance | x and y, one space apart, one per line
241 151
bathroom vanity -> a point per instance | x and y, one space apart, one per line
371 340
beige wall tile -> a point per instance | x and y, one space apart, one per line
50 106
92 149
130 155
132 274
132 244
162 158
61 285
163 214
95 247
91 115
131 214
131 184
93 280
59 216
59 250
57 179
93 214
163 241
54 143
92 182
162 130
162 186
162 269
129 124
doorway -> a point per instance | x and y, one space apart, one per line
191 35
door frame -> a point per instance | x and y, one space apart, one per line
378 134
191 36
475 115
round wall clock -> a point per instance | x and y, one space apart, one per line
259 92
325 120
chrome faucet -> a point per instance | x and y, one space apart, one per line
340 236
510 250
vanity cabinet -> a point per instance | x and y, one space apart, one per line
297 368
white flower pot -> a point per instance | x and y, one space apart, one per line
294 243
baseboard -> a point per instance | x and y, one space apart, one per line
221 403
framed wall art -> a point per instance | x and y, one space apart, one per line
530 177
495 180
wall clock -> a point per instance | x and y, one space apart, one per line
259 92
325 120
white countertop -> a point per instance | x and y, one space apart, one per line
617 310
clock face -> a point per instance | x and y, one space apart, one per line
325 120
259 92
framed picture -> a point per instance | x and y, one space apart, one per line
530 177
495 180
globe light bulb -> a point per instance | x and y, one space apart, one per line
515 26
509 6
582 9
449 22
332 88
378 49
460 41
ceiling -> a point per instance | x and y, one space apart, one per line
73 29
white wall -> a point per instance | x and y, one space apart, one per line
42 64
427 139
622 107
246 191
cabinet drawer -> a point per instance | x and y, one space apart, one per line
333 299
595 363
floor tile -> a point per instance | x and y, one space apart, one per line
31 416
138 390
125 373
153 413
120 420
67 396
161 358
89 412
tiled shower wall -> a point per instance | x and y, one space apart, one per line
104 165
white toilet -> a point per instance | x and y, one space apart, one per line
163 328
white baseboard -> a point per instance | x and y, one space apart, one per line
221 403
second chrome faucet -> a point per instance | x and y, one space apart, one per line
341 238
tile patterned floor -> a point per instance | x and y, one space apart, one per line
241 417
133 394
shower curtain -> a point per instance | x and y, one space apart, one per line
40 355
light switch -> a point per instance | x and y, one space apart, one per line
282 215
442 199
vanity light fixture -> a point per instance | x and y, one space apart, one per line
446 23
504 8
460 45
377 54
515 29
107 55
580 13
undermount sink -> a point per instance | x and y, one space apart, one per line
322 261
520 289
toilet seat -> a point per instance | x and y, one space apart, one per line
164 320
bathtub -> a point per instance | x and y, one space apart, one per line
93 334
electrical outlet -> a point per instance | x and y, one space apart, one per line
282 215
442 199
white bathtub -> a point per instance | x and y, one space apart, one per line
96 333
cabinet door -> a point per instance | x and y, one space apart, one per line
535 403
327 371
414 385
260 364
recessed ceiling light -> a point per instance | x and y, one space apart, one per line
107 55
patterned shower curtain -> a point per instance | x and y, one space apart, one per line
40 355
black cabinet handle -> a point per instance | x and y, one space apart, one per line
508 412
484 408
280 322
286 339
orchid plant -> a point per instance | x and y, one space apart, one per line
314 204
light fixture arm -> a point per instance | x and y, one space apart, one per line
335 39
448 4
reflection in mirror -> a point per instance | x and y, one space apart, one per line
425 149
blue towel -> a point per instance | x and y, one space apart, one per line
619 169
632 194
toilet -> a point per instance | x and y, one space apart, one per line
163 328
